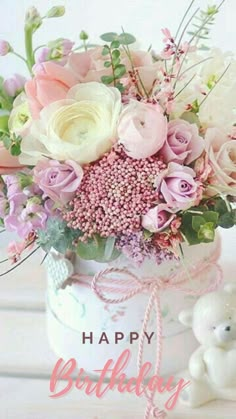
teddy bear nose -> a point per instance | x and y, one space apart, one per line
227 329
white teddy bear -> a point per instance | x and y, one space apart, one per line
212 366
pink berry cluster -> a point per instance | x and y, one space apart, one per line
114 194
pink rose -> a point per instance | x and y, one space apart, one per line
221 151
58 181
142 129
50 83
89 65
157 218
183 144
178 187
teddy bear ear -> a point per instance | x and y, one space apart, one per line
230 288
186 317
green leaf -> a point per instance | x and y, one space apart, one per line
107 79
6 141
115 44
126 38
115 54
15 149
4 123
120 87
211 216
98 249
109 36
206 232
197 222
220 206
191 117
107 64
106 50
120 71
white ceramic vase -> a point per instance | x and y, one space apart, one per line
76 310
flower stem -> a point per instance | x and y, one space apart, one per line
29 47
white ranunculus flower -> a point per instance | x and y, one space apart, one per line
222 156
219 107
20 117
80 128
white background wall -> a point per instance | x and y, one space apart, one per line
143 18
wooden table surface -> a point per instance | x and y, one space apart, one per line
26 361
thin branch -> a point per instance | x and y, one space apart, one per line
44 258
217 81
195 65
180 91
183 18
22 261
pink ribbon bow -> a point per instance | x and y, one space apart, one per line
130 285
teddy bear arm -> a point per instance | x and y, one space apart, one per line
197 366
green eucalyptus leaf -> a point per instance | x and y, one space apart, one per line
98 249
107 64
106 50
227 220
107 79
126 38
211 216
115 54
109 36
120 71
120 87
115 44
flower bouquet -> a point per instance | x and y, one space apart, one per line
123 160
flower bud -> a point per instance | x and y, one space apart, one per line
33 18
14 85
83 36
5 47
56 11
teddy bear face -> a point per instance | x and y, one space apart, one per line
214 319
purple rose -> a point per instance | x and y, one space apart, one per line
183 144
58 181
157 218
178 187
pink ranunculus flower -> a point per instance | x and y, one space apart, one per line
8 163
221 151
178 186
142 129
158 218
50 83
58 181
183 143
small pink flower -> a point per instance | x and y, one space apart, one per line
5 47
142 129
183 143
178 187
14 85
15 250
58 181
158 218
167 34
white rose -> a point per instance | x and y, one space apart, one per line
222 156
81 128
20 117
